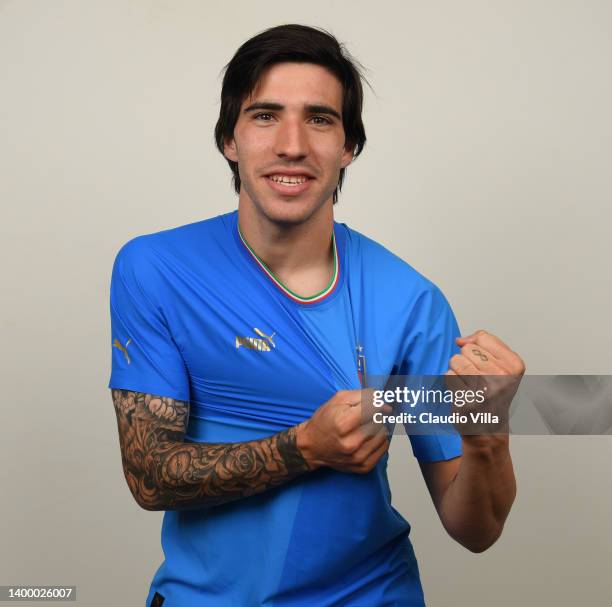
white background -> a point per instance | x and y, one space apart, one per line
487 168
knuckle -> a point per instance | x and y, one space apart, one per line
340 395
359 460
370 465
349 446
348 397
518 365
457 360
344 426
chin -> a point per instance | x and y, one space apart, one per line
293 211
286 210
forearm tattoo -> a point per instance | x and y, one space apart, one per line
166 473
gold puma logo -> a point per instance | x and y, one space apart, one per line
255 343
117 344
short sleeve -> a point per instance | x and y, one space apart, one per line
430 345
145 357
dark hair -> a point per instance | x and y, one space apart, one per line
298 44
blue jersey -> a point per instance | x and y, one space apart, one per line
201 319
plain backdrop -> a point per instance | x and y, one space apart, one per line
487 168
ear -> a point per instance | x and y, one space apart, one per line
347 156
229 149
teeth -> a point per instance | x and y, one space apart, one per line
286 180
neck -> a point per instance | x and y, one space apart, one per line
288 247
300 255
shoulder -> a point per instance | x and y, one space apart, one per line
147 252
385 271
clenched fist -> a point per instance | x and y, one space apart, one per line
486 363
341 434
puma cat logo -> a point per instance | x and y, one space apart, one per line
268 337
117 344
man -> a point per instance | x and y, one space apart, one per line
239 349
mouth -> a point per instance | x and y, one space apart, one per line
290 185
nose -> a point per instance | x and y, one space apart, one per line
291 140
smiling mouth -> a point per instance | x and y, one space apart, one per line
291 181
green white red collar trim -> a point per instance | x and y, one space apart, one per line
288 292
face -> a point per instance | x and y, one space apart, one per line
289 142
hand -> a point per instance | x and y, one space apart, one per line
486 363
341 434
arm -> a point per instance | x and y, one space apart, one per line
473 493
166 473
163 472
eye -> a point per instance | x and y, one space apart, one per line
262 114
325 120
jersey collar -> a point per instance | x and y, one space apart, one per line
288 292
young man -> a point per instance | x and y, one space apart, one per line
239 349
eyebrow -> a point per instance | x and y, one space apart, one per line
311 108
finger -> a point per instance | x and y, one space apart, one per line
472 337
487 340
371 444
462 365
368 460
455 381
367 416
357 446
484 362
466 371
360 418
349 398
369 409
349 420
505 357
375 456
367 402
372 429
